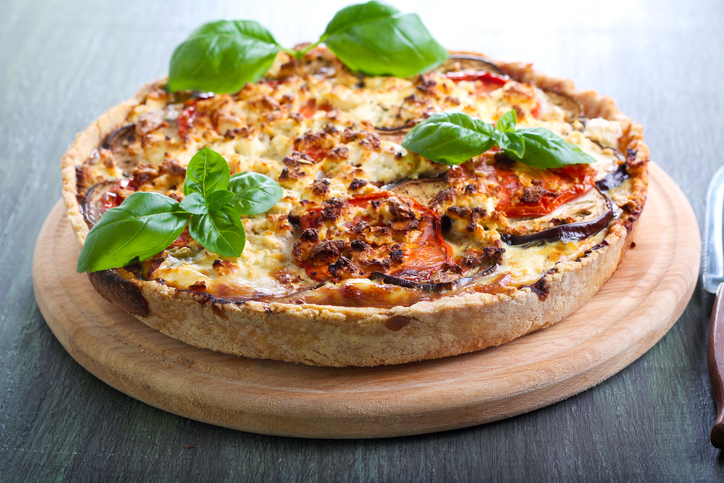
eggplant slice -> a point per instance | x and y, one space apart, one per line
396 130
485 269
578 219
117 142
613 179
394 134
120 138
458 62
422 190
455 63
572 108
91 204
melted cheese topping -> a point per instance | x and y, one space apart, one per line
311 126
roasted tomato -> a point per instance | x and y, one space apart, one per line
317 153
308 109
486 82
371 234
104 196
527 191
186 118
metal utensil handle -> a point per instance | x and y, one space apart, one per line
714 234
715 361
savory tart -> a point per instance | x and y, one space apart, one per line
374 254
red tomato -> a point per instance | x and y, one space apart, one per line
562 185
317 153
308 109
186 119
111 198
423 249
486 81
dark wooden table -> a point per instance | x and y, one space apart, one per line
63 63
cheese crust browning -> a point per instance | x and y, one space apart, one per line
374 255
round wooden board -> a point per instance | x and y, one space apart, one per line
627 317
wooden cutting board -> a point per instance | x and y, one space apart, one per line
627 317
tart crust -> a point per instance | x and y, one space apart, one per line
368 336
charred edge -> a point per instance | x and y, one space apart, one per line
119 291
603 244
398 322
539 288
633 211
206 298
629 222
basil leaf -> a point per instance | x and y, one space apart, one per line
512 145
207 172
376 39
222 56
254 193
454 137
219 231
450 137
194 203
506 139
219 199
544 149
507 122
144 225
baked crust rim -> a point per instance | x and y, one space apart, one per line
368 336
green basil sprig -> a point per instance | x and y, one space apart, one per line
142 226
377 39
222 56
455 137
147 223
373 38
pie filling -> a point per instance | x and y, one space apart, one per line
362 221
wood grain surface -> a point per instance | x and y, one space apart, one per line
63 63
630 314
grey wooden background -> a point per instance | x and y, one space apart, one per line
62 63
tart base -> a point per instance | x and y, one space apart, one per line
369 336
635 308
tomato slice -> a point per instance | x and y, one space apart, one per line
536 110
555 187
378 232
111 198
186 119
489 82
310 107
317 153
